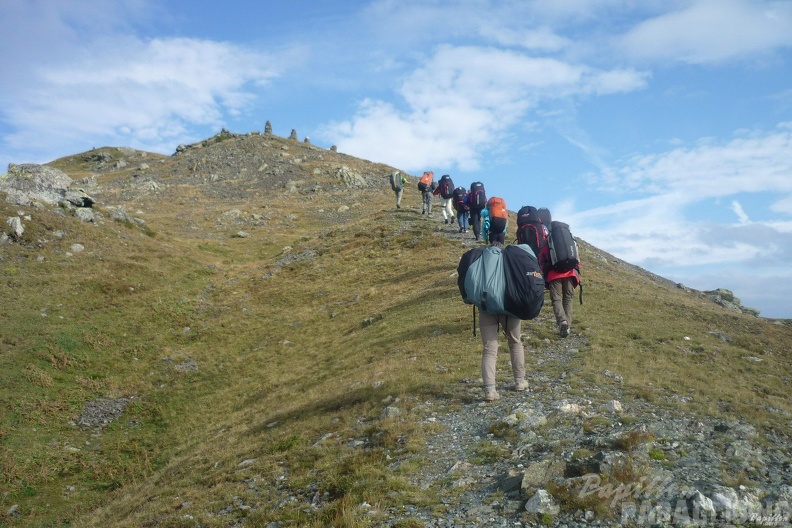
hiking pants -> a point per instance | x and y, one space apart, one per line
427 202
462 219
497 230
488 326
399 197
448 209
562 293
475 222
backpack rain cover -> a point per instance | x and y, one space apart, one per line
502 281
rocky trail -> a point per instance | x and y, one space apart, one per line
562 456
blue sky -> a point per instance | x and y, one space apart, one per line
660 130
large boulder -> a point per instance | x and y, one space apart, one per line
29 183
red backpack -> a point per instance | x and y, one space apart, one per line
478 198
459 200
530 229
446 187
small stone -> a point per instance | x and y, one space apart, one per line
542 503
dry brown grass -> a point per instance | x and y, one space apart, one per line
294 361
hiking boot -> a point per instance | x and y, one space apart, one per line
446 221
491 395
521 386
563 329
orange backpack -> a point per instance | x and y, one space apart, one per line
426 180
497 208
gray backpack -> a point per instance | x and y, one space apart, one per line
504 281
396 181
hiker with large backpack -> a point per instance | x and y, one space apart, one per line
507 286
426 185
530 228
478 202
445 188
397 181
560 263
498 219
461 199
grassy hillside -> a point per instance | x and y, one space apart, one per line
255 325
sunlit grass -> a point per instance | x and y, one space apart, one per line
297 338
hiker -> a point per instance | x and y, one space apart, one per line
461 206
485 224
530 229
397 181
561 279
445 188
477 203
498 219
426 185
489 326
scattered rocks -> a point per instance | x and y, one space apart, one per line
100 413
726 298
577 461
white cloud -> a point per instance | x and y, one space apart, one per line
752 164
542 39
784 205
740 212
138 93
461 100
668 231
712 31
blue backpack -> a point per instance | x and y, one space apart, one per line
505 281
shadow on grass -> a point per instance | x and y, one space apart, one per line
345 400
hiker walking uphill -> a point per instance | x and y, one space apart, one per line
560 262
478 202
507 286
530 229
498 219
445 188
485 224
461 200
426 185
397 181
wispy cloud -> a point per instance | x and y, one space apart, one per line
740 212
748 164
475 94
706 31
666 229
122 89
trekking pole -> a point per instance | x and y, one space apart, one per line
474 320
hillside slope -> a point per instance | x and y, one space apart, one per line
250 333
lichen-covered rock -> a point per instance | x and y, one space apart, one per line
29 183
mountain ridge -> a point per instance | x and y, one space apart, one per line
245 246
